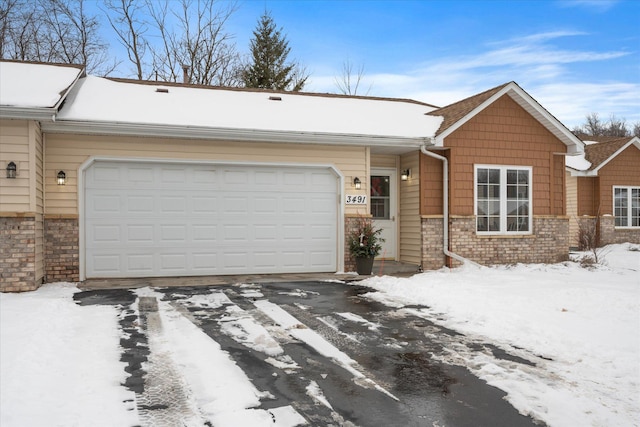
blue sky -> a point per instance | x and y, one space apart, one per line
575 57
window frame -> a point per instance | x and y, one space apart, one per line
503 231
628 217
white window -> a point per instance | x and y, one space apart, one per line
503 199
626 206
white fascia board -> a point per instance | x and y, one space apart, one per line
26 113
573 143
575 172
634 141
229 134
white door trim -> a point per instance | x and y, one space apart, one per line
93 159
393 206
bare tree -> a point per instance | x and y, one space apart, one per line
615 126
53 31
348 83
130 29
198 40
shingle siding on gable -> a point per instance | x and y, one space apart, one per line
505 134
624 169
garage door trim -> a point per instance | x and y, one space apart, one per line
92 160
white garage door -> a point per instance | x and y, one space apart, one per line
159 219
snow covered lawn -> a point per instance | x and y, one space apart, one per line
60 362
580 326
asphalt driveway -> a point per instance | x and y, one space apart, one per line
375 365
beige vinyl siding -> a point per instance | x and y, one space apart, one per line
15 195
384 161
572 209
410 233
68 152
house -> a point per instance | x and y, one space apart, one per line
603 190
109 178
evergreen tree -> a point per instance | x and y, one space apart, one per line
269 68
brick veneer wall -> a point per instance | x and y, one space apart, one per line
18 254
350 224
432 240
609 234
61 250
548 244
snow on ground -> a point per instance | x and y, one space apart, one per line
60 362
223 392
581 326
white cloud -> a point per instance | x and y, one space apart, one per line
549 73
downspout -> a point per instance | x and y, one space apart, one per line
445 207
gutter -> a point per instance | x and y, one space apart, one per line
445 207
228 134
28 113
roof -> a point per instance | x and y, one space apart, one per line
94 105
252 114
458 113
599 151
31 88
454 112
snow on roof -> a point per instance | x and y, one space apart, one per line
579 162
104 100
32 85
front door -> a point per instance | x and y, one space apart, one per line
384 209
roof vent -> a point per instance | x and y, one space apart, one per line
275 98
162 90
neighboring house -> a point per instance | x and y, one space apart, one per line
603 190
123 178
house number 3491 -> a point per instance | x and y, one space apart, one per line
356 200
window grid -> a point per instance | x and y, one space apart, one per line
503 199
626 206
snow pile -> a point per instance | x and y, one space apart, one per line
60 362
581 327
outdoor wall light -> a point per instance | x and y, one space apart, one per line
356 183
62 178
406 174
11 170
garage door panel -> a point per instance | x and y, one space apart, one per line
205 233
320 181
106 264
146 219
140 174
235 178
140 234
236 204
265 178
173 262
204 204
140 264
321 258
204 261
